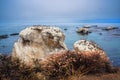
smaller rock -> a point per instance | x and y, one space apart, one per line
13 34
110 28
65 29
84 45
3 46
83 31
77 27
90 48
116 34
93 53
89 26
3 36
100 33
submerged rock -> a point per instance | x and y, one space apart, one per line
100 33
3 36
116 34
13 34
89 26
37 42
65 29
110 28
83 31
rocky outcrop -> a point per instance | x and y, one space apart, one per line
37 42
95 55
83 31
90 48
110 28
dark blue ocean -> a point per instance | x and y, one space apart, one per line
106 39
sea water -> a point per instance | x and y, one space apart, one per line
107 41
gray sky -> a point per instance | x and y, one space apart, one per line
41 9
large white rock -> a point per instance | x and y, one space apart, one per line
37 42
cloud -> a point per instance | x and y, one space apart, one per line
36 9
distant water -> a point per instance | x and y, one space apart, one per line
109 42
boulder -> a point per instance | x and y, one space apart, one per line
36 42
90 48
83 31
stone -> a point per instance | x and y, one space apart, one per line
83 31
116 34
110 28
97 57
3 36
36 42
65 29
100 33
89 26
14 34
90 48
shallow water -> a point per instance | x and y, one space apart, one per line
109 42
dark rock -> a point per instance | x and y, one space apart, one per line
77 27
65 29
89 31
116 34
3 46
83 31
3 36
100 33
110 28
89 26
13 34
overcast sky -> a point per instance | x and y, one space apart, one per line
40 9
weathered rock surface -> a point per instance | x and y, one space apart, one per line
90 48
83 31
37 42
